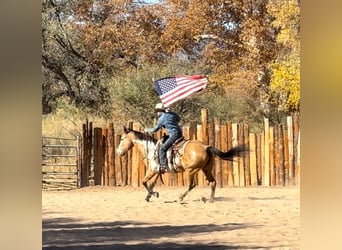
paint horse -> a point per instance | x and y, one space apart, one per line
194 156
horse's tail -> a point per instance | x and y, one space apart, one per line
238 151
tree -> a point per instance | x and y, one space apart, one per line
285 80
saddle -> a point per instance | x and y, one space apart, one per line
174 152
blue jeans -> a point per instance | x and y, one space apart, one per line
166 145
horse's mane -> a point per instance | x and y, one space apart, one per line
142 136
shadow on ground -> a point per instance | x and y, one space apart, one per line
65 233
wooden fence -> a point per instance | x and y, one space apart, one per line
274 159
60 163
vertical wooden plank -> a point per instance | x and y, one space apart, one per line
127 160
224 148
229 146
290 148
120 169
252 160
277 156
281 156
286 159
111 155
236 177
295 144
90 148
97 155
135 163
273 142
297 180
105 157
200 176
204 121
218 161
246 158
240 159
259 155
267 154
84 168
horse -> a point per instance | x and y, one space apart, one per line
195 156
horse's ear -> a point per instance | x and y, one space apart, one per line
126 130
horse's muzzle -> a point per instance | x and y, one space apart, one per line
120 152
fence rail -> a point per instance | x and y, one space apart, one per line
273 160
60 170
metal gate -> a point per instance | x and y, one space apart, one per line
60 163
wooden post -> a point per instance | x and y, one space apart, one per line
240 160
218 161
259 153
84 166
273 155
281 156
297 180
98 156
267 154
295 144
229 146
135 162
111 155
224 148
286 159
246 158
205 132
105 156
252 160
236 176
87 149
276 156
290 143
120 168
128 159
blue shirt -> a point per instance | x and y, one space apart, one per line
168 120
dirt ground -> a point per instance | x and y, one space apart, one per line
119 218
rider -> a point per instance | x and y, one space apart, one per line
169 120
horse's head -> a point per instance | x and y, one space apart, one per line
126 142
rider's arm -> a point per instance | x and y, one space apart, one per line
158 126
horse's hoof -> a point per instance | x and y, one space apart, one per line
147 199
181 197
157 194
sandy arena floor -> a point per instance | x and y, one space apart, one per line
106 218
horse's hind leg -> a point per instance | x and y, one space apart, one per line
208 172
191 176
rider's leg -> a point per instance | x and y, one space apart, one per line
163 149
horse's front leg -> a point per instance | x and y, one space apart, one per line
150 175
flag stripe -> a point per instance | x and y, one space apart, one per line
182 90
184 86
181 96
172 89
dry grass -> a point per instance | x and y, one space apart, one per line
64 123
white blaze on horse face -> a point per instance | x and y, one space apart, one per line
120 150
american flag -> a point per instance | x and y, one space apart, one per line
173 89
